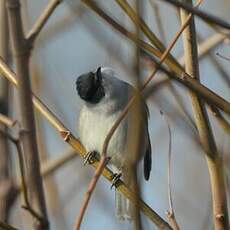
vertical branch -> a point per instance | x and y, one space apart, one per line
206 136
7 188
21 51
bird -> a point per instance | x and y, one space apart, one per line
104 96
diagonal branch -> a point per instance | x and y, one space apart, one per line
200 13
41 21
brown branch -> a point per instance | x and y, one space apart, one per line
207 45
220 118
41 21
158 18
8 190
75 143
214 162
27 205
170 213
180 75
200 13
21 50
5 226
50 166
7 121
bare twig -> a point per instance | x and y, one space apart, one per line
220 212
158 20
7 121
41 21
222 56
27 205
205 46
89 192
75 143
180 75
50 166
220 118
5 226
200 13
170 213
21 51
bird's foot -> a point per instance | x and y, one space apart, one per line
115 178
89 157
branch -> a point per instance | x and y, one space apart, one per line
27 205
7 188
203 15
220 212
21 50
220 118
50 166
5 226
170 213
7 121
207 45
180 75
68 137
41 21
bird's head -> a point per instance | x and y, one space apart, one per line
90 87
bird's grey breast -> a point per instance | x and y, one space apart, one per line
94 126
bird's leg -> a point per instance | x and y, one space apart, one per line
115 179
89 157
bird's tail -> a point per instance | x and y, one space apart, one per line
124 207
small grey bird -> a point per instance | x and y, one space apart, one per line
104 97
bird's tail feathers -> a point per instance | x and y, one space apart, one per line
124 207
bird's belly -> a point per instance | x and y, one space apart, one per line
93 130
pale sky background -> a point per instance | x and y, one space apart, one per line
76 40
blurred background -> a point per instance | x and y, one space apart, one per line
75 40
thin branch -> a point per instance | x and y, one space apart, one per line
222 56
90 190
207 45
77 146
52 165
180 75
200 13
5 226
158 20
220 212
41 21
27 205
220 118
7 121
170 213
